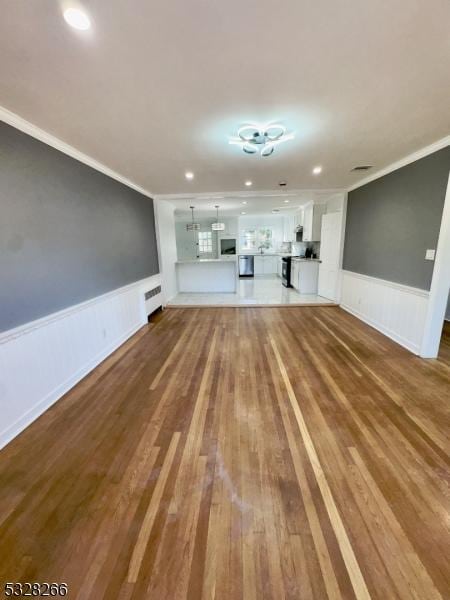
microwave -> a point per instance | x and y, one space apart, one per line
227 246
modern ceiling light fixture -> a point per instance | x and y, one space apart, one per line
217 226
189 175
193 226
248 183
254 138
317 170
77 19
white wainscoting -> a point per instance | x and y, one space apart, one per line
398 311
42 360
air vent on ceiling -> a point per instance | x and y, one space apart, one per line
362 168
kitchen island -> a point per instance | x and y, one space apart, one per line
207 275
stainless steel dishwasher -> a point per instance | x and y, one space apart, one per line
246 265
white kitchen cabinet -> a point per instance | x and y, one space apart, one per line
304 276
270 265
298 218
280 266
289 228
231 228
259 265
294 274
290 223
266 264
312 222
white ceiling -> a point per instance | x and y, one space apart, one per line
156 88
250 203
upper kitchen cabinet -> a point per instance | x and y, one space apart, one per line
231 227
290 223
312 222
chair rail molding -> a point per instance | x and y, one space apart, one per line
40 361
398 311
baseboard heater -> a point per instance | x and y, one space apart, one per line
153 300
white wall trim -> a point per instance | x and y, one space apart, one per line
42 360
10 334
414 348
442 143
19 123
397 310
341 253
35 411
393 284
167 248
440 283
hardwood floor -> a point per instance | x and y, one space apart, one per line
444 350
233 453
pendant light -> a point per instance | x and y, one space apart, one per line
217 226
193 226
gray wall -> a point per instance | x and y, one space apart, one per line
393 220
67 232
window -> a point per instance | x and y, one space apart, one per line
253 239
205 242
249 239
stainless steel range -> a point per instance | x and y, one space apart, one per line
286 271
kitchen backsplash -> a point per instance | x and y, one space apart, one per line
299 248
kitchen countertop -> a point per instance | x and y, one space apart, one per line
265 254
298 259
292 256
206 260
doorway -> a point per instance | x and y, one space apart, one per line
440 285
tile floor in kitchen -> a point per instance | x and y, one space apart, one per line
259 290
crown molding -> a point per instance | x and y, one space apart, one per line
426 151
19 123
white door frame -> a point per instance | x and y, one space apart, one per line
440 284
341 253
335 265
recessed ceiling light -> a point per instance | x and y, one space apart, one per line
189 175
244 202
248 183
243 213
77 18
317 170
286 201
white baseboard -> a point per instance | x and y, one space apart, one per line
42 360
398 311
38 409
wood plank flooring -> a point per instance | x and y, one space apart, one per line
444 350
239 453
